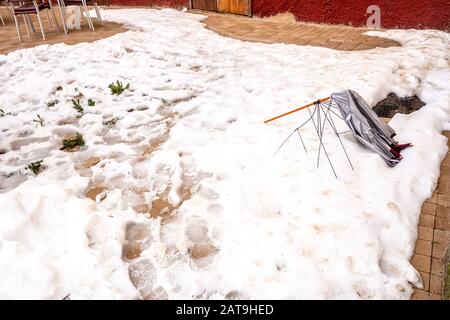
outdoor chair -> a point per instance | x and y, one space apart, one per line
82 4
1 18
28 7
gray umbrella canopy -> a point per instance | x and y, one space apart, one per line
367 128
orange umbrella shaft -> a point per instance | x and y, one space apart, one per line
296 110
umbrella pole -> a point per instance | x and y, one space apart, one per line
296 110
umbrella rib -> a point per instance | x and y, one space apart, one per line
331 121
279 148
321 144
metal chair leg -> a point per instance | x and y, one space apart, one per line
33 30
88 17
39 19
54 17
97 11
25 20
62 12
17 27
40 24
29 25
48 20
54 20
80 17
11 11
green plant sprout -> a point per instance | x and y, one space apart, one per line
52 103
35 166
72 142
77 105
111 123
117 88
39 121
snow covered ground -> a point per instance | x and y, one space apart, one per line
191 202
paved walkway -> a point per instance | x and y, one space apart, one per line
284 28
434 238
9 41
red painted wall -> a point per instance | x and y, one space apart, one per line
434 14
162 3
420 14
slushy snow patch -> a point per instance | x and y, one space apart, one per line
190 201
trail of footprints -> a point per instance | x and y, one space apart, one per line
135 187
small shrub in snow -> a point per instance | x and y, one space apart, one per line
117 88
77 105
91 103
35 167
52 103
73 141
111 123
3 113
39 121
163 101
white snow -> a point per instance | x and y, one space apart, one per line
239 222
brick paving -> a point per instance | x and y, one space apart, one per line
287 31
434 237
9 41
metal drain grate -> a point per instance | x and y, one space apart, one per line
388 107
